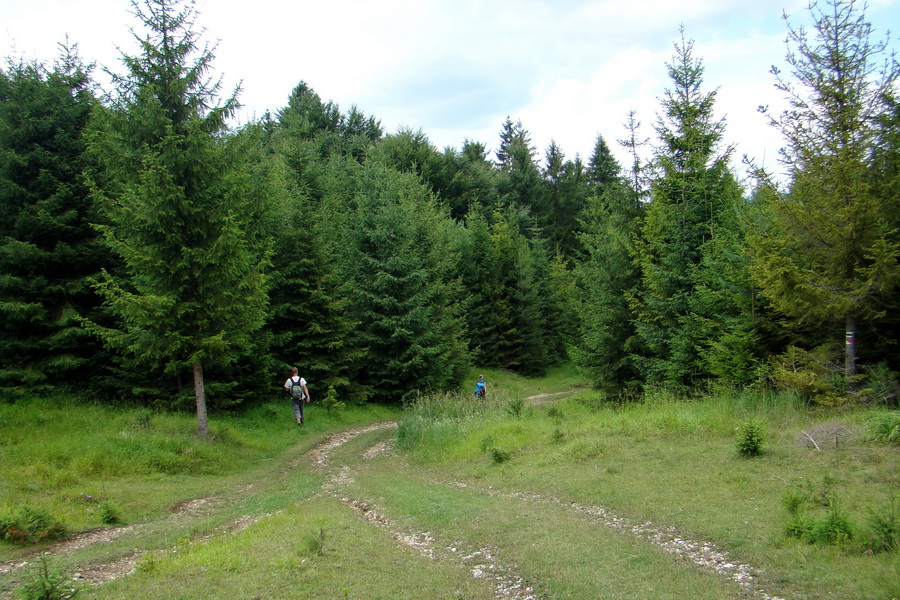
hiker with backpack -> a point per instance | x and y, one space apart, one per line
296 387
480 388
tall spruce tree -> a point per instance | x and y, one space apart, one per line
686 200
48 249
399 262
183 214
309 324
829 255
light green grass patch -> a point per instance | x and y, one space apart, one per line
272 559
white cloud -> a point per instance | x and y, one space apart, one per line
456 68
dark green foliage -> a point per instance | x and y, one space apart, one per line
399 261
515 305
515 339
607 278
688 197
519 179
750 439
468 180
499 456
318 130
184 212
735 328
566 187
310 325
603 169
48 249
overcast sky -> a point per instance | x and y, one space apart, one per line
568 69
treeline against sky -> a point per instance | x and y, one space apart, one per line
150 253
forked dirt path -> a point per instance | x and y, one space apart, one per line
483 563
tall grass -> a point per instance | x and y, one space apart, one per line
68 459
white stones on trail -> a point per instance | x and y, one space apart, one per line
703 554
320 453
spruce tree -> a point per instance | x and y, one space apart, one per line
520 180
309 323
399 262
182 213
607 278
686 200
48 249
565 194
829 254
603 169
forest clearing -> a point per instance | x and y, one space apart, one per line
538 492
691 369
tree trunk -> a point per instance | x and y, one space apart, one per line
850 352
200 395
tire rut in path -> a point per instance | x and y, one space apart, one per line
705 555
103 572
482 563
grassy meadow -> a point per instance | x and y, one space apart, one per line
515 478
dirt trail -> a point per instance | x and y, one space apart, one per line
482 563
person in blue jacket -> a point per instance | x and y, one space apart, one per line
480 388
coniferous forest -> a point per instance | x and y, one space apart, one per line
152 252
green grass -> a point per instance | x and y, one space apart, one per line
475 477
674 461
73 461
544 542
273 559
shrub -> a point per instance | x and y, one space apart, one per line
314 541
884 427
884 529
486 442
800 527
834 529
812 374
30 525
794 500
141 420
750 439
555 413
331 402
881 384
514 407
110 513
557 436
585 450
499 456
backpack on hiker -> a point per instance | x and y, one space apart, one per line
296 390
